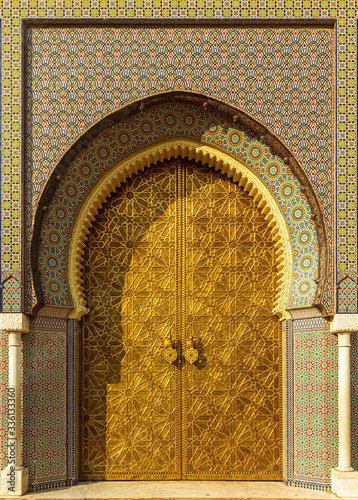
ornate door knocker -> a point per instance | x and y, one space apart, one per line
170 353
191 354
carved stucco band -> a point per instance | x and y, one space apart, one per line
344 323
193 150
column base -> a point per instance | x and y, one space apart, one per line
14 481
344 483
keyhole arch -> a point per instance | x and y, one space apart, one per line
193 150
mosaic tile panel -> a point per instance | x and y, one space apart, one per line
76 76
343 12
354 395
72 364
44 401
288 409
347 293
145 128
11 291
4 368
281 76
315 402
8 205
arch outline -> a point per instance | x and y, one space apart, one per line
248 124
199 152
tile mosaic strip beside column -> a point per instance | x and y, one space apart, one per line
4 368
354 395
44 403
316 403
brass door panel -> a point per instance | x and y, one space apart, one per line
130 405
180 262
231 408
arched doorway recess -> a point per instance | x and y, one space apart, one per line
213 124
181 357
193 150
101 160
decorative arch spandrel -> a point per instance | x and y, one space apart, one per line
226 134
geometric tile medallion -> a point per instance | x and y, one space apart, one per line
282 76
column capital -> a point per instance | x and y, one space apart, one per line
344 323
14 323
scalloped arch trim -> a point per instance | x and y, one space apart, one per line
193 150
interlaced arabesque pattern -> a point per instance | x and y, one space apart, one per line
180 253
282 76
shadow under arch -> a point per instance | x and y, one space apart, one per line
231 113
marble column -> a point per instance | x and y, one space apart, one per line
344 477
14 478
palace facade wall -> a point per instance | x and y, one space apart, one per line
66 70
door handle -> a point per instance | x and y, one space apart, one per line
191 354
170 353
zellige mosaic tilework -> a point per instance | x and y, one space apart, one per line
315 402
354 400
174 120
98 69
343 130
44 401
4 368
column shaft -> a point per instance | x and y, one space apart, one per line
344 402
14 400
15 477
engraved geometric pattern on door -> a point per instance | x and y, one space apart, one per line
180 258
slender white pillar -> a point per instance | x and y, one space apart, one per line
344 402
14 478
14 400
344 477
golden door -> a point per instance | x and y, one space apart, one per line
180 264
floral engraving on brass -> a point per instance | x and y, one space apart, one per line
180 249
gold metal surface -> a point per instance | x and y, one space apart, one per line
195 150
190 354
231 395
170 353
180 252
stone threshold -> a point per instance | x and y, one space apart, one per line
179 490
